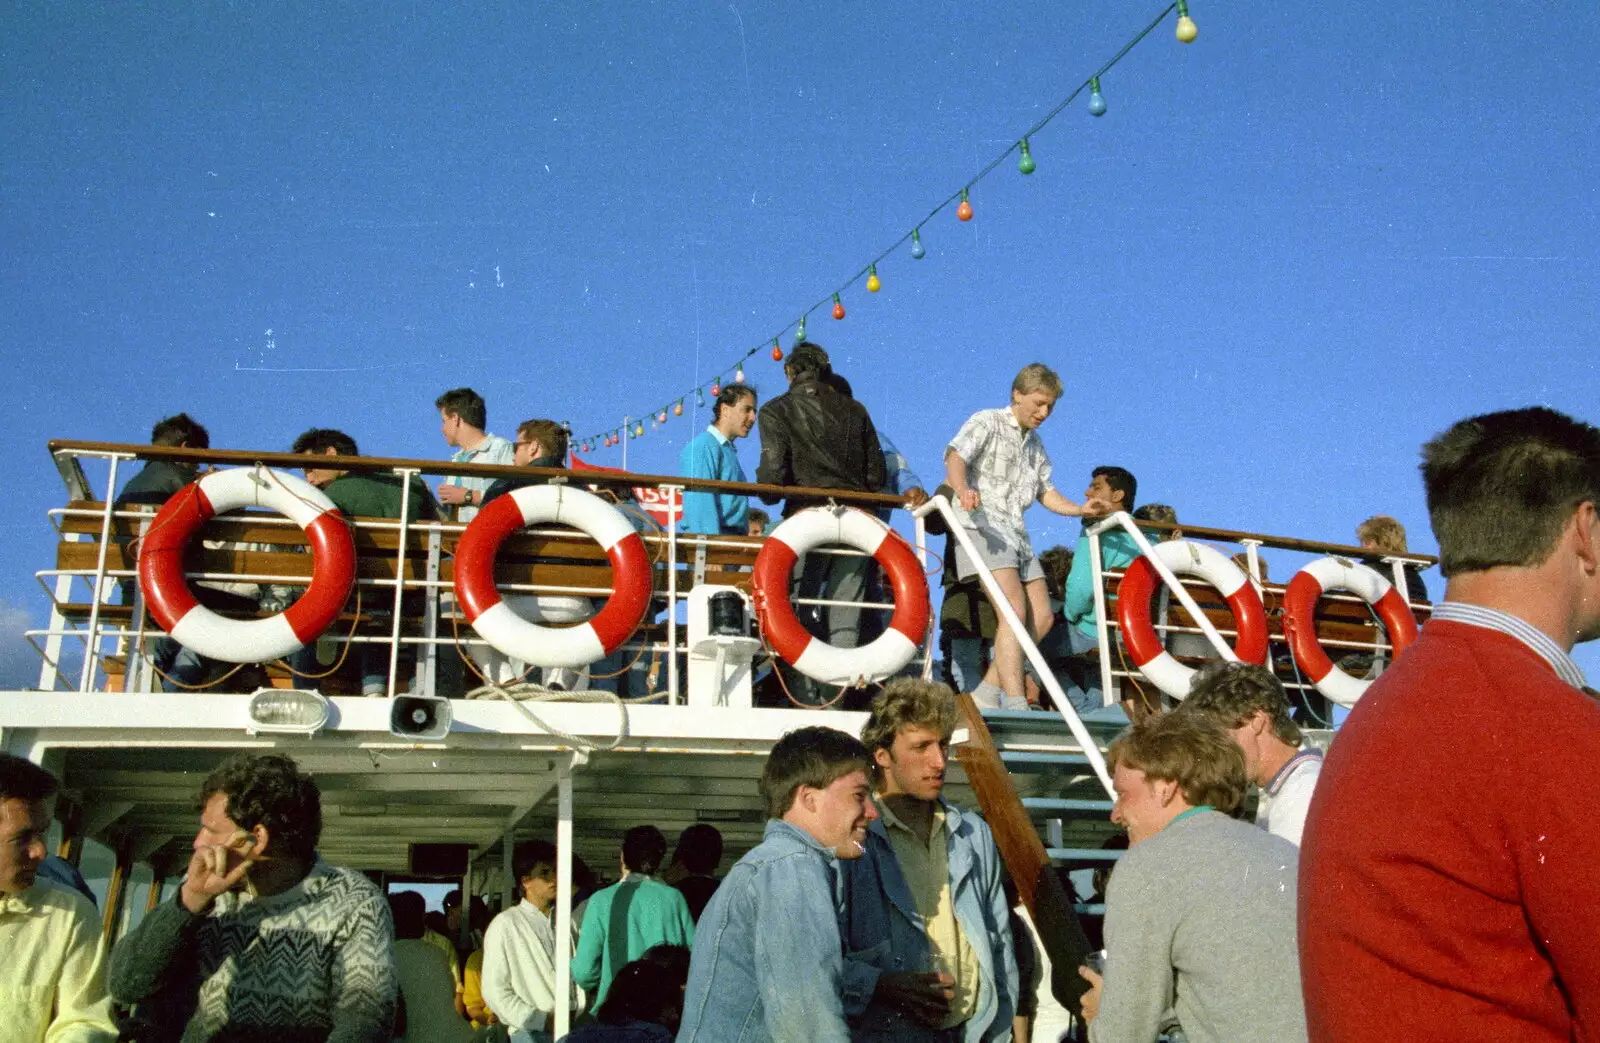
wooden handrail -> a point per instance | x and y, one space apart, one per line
1031 870
295 461
1343 550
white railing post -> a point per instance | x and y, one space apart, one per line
90 653
1009 616
429 663
1102 628
930 640
674 503
400 578
563 1014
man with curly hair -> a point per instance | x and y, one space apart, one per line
1249 703
926 896
263 940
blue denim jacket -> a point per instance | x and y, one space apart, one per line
884 931
768 961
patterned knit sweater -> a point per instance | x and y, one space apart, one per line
314 963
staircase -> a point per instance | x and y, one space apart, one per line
1048 811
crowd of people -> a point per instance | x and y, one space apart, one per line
816 439
1420 881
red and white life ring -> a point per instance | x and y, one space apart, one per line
191 624
1187 558
514 636
815 527
1299 620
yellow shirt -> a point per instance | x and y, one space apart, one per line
440 942
927 872
52 976
472 989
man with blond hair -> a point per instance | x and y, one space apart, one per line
1200 913
1249 703
927 895
1385 534
997 467
1448 869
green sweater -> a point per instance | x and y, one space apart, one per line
378 496
620 923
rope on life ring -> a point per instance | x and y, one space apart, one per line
1186 558
1299 620
774 566
191 624
509 633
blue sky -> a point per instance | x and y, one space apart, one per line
1288 254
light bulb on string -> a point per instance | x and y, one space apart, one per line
699 398
777 352
964 211
716 387
638 430
1187 30
800 330
677 410
1026 164
918 251
738 375
1097 101
874 284
838 307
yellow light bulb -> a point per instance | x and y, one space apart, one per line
1187 30
874 284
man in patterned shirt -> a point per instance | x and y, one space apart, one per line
264 940
997 467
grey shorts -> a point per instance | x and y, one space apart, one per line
1000 550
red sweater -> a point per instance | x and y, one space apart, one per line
1450 874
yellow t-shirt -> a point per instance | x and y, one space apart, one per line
927 872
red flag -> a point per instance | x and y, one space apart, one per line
655 502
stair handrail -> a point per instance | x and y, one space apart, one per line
1123 520
1047 677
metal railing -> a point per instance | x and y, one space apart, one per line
682 557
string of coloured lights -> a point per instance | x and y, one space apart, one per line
1186 31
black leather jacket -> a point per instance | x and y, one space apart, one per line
815 437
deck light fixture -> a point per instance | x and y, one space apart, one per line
288 710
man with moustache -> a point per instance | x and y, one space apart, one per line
767 965
928 927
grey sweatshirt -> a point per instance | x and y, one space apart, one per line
1200 918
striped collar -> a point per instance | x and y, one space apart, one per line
1493 619
1307 753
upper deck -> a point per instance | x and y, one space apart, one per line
653 742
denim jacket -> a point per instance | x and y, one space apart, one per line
884 931
768 960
